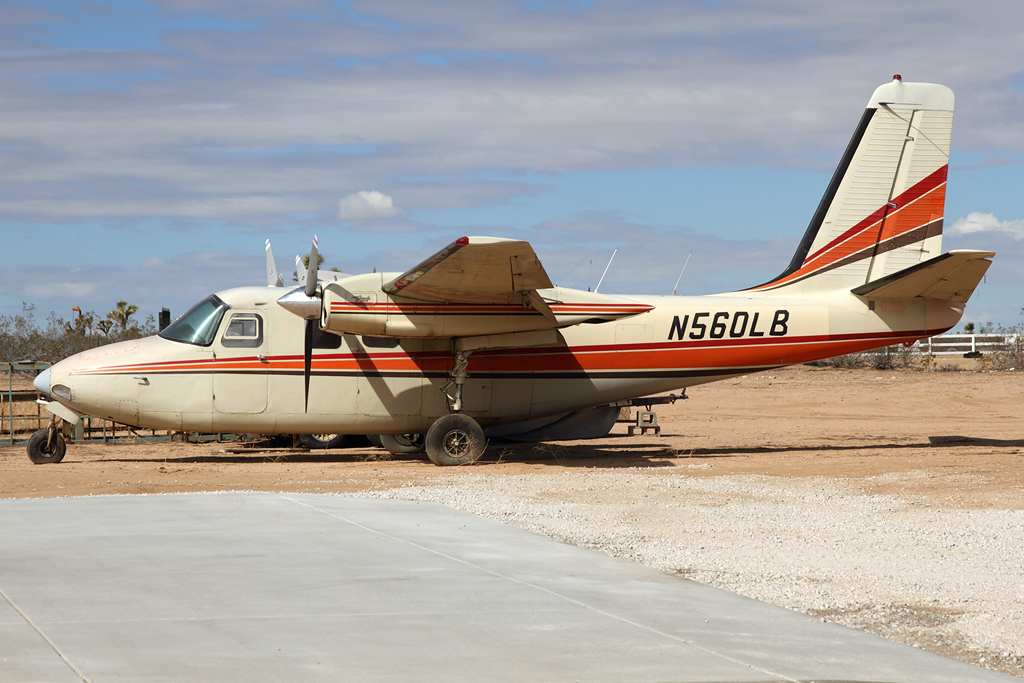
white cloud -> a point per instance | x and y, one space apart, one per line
53 290
976 221
365 205
176 282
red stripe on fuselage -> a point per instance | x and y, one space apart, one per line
601 359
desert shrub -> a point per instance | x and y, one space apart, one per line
846 361
22 337
891 357
1007 356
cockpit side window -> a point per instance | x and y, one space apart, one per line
199 324
244 330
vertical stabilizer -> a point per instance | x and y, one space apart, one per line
883 209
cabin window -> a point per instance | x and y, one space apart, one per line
325 340
244 330
199 324
380 342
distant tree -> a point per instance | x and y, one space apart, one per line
81 325
23 337
319 260
969 328
122 313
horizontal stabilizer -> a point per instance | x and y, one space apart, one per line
950 277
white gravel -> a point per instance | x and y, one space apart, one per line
950 580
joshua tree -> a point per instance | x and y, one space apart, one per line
121 314
319 260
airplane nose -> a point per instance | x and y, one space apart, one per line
42 382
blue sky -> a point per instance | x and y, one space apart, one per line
147 149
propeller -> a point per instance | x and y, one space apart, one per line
307 359
311 269
273 277
310 292
305 301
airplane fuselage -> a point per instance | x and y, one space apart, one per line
254 383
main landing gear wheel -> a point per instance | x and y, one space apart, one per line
455 439
402 444
42 453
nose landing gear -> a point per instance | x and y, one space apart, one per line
47 446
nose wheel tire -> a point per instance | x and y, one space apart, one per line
455 439
401 444
40 453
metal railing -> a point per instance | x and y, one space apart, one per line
12 398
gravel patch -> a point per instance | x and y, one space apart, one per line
948 580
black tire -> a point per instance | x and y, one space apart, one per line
455 439
40 454
322 441
402 444
375 440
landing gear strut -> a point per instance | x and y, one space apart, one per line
455 439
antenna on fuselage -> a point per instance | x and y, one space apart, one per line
681 274
606 270
570 271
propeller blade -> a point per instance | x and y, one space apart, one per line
300 271
308 358
273 277
314 257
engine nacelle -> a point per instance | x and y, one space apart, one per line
360 305
378 314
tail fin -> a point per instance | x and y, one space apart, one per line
883 209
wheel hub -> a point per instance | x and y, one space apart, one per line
456 443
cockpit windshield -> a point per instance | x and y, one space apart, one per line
199 325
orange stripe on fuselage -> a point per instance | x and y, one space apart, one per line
918 206
647 358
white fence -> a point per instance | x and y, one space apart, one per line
960 344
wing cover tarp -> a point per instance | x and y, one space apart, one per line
474 270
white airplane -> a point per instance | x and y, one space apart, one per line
477 337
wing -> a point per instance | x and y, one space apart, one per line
482 270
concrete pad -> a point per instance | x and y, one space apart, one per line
271 587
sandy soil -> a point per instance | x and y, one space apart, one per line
936 440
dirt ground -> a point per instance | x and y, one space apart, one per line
962 432
796 422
